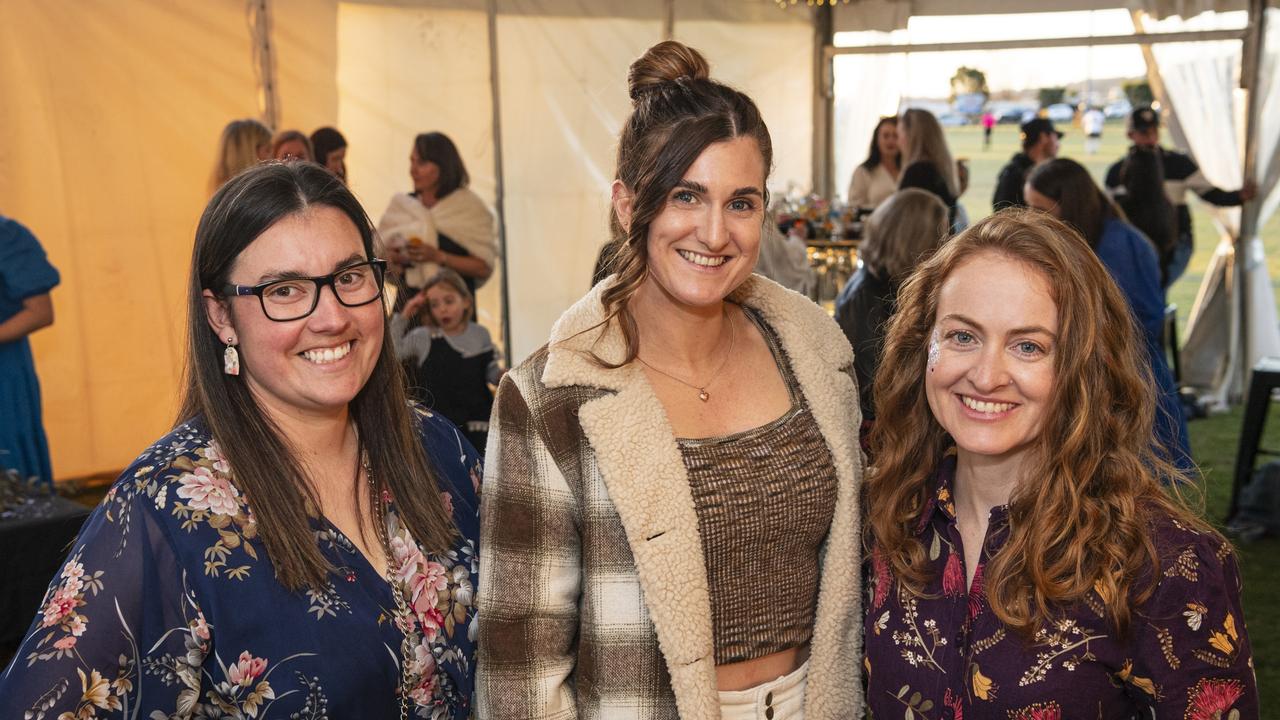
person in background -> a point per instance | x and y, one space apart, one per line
671 528
453 359
292 145
26 279
303 542
1027 559
1180 175
902 232
1092 123
877 177
1141 195
988 125
243 143
442 223
928 163
1065 189
331 151
784 259
1040 141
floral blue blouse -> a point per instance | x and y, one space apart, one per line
168 606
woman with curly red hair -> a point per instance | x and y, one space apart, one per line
1025 560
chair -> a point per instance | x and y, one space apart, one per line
1265 379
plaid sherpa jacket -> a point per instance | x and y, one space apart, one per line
593 599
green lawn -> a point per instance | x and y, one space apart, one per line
1213 440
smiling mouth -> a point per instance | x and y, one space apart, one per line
324 356
989 408
703 260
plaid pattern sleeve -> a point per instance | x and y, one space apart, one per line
530 569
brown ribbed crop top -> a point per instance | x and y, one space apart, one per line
765 499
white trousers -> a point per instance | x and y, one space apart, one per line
781 699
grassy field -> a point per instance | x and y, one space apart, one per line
1213 440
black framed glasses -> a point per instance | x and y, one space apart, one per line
296 298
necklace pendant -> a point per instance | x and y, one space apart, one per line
703 396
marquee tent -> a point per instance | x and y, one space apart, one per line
111 114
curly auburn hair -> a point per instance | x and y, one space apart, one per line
1079 519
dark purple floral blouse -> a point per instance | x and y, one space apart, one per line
947 656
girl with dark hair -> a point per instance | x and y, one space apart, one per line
1065 189
1142 198
442 223
877 177
304 541
1026 558
331 151
670 525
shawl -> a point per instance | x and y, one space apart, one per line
461 215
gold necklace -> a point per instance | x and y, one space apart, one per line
406 645
703 395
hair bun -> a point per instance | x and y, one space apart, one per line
667 62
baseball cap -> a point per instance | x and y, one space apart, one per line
1035 127
1144 118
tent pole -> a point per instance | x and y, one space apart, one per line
499 184
823 100
1254 52
259 12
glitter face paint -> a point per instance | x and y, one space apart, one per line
935 349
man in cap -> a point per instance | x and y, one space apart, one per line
1039 143
1180 174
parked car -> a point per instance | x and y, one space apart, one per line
1118 110
1061 113
952 119
1013 115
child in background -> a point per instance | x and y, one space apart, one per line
454 360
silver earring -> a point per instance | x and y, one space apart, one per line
231 358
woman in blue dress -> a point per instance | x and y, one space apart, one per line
26 277
303 543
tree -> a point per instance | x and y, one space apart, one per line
1052 95
1138 92
968 81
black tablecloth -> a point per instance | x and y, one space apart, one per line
34 540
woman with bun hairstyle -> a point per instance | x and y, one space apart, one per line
1026 559
670 522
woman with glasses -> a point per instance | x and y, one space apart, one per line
302 543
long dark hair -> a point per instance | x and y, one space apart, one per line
1144 201
873 156
678 111
264 462
1081 203
436 147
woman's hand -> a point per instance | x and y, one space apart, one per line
426 254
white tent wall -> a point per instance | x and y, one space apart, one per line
768 55
404 70
563 94
110 113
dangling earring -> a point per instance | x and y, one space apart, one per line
231 359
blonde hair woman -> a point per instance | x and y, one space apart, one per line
906 227
243 143
927 163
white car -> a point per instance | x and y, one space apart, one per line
1118 110
1061 113
953 119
